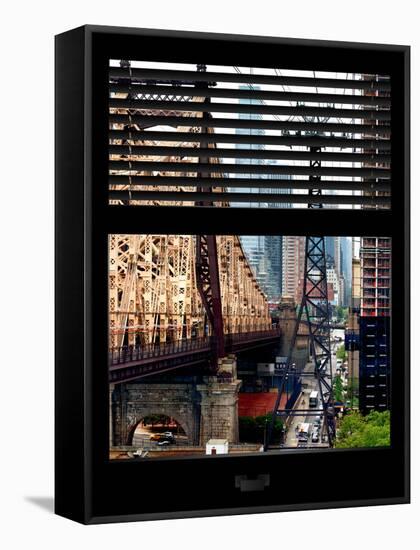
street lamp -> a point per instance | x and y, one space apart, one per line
265 431
294 376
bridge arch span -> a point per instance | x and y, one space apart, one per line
135 401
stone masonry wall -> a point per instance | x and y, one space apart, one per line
219 410
205 411
133 401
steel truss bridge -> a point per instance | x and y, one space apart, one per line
179 300
129 363
175 300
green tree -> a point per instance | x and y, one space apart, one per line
252 429
338 389
373 430
342 313
352 392
341 353
247 428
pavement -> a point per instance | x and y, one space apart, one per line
141 439
309 384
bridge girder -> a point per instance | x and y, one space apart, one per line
158 304
154 295
195 128
208 285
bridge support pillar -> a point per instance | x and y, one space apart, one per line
119 423
219 403
287 318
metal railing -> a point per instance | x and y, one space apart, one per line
129 354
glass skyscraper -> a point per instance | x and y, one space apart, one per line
251 146
264 253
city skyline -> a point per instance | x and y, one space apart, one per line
278 263
174 354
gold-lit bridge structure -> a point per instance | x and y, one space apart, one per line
131 145
176 300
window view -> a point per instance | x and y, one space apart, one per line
227 136
248 344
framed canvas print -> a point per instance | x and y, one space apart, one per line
232 274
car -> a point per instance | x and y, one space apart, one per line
317 421
163 442
164 436
315 436
159 438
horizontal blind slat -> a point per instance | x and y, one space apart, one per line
346 185
140 166
191 106
152 150
303 141
245 197
148 121
192 76
252 94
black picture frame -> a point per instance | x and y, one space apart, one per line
88 487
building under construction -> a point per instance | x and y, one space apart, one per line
375 305
375 308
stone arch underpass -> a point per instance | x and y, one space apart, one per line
132 402
131 438
204 411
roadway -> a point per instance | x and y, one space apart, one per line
142 435
309 384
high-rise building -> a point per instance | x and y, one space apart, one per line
274 259
264 252
270 162
334 281
276 190
337 255
375 312
375 307
341 291
293 266
253 246
329 251
346 269
250 146
352 338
